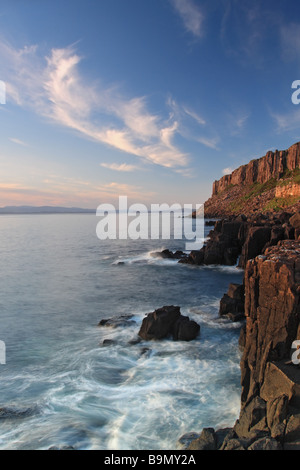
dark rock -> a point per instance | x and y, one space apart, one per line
256 240
295 221
17 413
233 444
242 337
235 317
277 412
206 441
145 351
168 321
185 329
220 436
232 303
61 448
265 443
252 420
292 432
135 341
108 342
168 254
272 313
210 223
185 440
115 322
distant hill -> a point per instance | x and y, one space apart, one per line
44 210
267 184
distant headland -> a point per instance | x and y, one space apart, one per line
44 210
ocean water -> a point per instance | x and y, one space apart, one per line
61 386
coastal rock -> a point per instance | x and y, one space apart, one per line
232 303
168 254
270 401
272 312
265 443
185 440
168 322
12 412
261 170
238 239
116 322
206 441
257 238
222 247
266 184
295 222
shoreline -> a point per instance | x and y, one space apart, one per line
270 400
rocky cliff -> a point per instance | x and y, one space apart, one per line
270 401
270 183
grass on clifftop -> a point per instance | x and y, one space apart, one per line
279 203
261 194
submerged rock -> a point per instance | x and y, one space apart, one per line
17 413
115 322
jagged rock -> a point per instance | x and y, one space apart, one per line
232 303
256 240
168 321
168 254
185 440
242 337
206 441
295 222
252 420
292 432
265 443
272 312
277 412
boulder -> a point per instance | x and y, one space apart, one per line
206 441
168 322
232 303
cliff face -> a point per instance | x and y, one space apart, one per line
272 310
261 170
270 401
267 184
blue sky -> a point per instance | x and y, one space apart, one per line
153 99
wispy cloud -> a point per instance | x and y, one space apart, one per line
191 16
194 115
55 89
227 171
120 167
209 142
18 141
236 122
288 121
290 41
192 125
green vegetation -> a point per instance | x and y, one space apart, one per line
290 176
237 205
258 188
279 203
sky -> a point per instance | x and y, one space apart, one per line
149 99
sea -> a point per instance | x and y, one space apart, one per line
63 384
